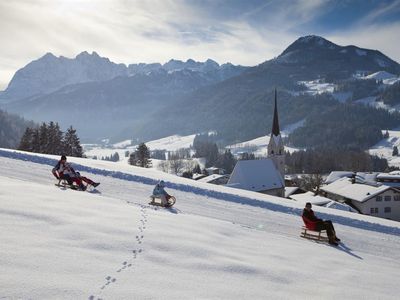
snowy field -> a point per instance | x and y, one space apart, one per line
175 142
384 148
215 243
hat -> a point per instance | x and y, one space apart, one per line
63 157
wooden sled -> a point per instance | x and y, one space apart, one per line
171 201
62 183
313 234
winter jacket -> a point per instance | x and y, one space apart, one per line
310 220
159 190
61 169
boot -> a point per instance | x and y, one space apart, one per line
332 241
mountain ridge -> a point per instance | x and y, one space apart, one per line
179 99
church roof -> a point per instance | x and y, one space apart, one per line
256 175
275 122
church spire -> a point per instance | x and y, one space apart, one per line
275 123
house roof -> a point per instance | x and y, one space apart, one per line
310 197
340 206
355 191
256 175
289 190
212 177
197 176
335 175
361 177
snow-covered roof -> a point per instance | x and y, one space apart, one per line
310 197
197 176
256 175
388 176
354 191
361 177
211 178
335 175
289 190
340 206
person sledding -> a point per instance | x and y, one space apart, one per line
64 171
159 192
316 224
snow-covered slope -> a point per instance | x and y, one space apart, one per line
215 243
386 77
385 148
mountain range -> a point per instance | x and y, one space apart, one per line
146 101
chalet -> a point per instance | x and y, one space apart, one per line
320 201
370 199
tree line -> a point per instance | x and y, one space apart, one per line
50 139
325 160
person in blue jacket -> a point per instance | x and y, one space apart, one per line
161 193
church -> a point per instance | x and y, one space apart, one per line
267 175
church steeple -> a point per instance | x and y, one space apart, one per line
275 123
276 150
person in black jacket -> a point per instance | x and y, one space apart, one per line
314 223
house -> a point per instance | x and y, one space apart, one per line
390 179
370 199
215 170
215 179
258 175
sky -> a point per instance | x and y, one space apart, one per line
245 32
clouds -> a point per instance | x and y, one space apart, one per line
242 32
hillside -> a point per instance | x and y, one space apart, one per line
12 127
215 243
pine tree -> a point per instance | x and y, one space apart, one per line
43 139
141 157
226 161
26 141
36 140
72 146
55 139
395 151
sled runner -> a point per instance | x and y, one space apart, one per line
313 234
171 201
62 183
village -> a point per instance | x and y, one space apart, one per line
370 193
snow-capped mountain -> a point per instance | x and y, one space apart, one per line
313 57
50 73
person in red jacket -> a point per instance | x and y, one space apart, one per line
313 223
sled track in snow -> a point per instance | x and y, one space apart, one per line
366 225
